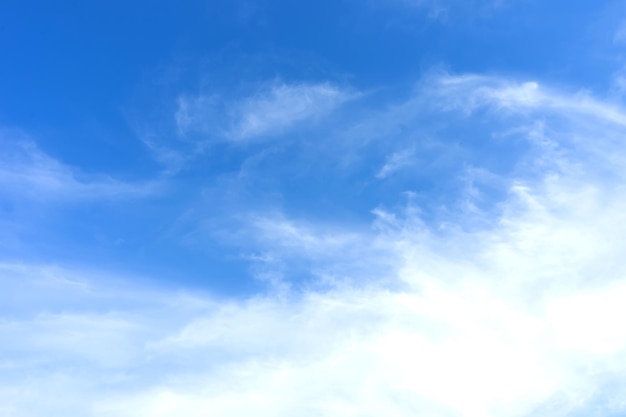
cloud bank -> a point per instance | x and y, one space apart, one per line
517 317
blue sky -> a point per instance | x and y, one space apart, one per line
400 207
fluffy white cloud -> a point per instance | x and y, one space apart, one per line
518 317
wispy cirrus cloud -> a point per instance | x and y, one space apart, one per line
469 92
395 162
275 109
442 9
27 172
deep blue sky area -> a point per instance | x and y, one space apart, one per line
73 63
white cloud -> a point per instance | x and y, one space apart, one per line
468 92
283 105
27 172
395 162
273 110
520 317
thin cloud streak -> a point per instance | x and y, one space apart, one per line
469 92
275 109
395 162
27 172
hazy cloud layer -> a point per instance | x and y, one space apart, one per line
520 316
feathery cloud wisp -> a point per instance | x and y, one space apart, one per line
26 171
274 110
